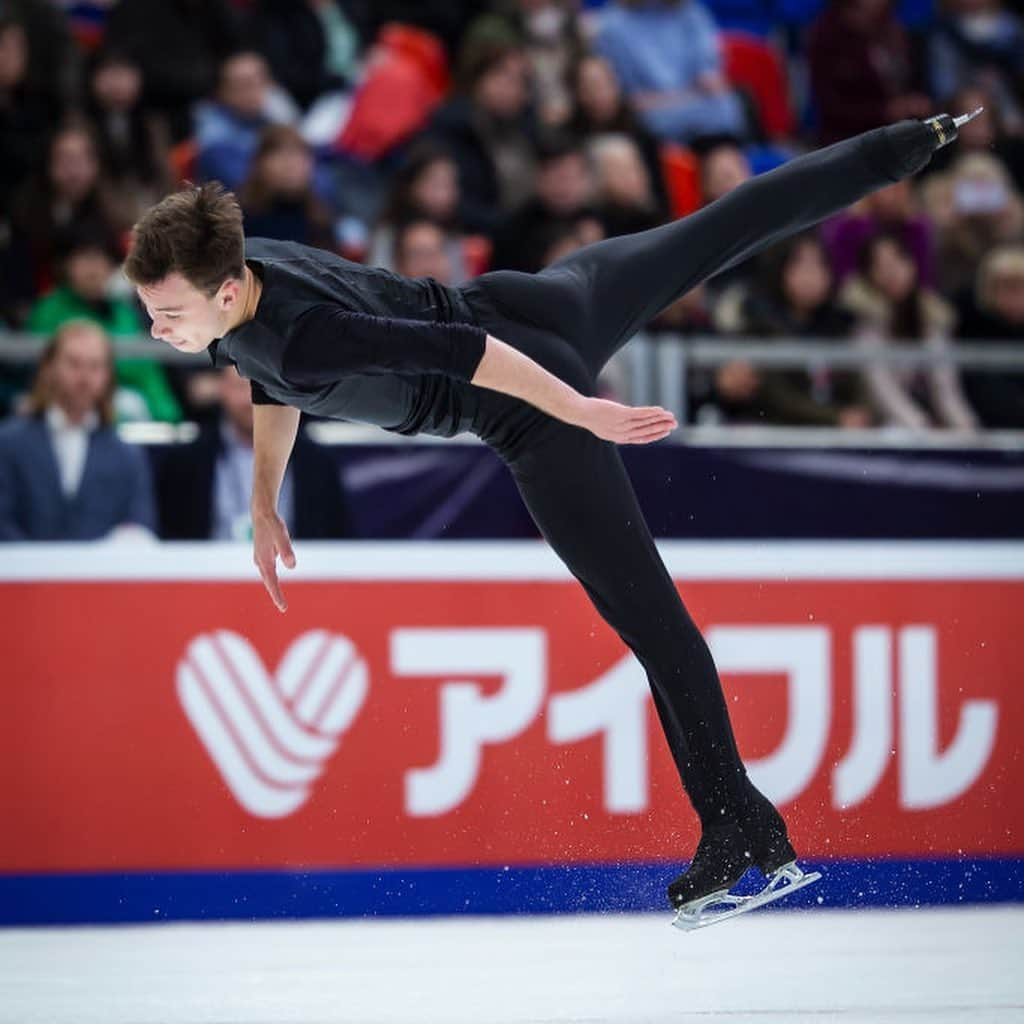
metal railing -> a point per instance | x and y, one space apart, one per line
656 370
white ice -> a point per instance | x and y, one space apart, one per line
906 966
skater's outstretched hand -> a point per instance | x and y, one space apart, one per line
269 540
625 424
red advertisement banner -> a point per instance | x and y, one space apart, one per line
466 705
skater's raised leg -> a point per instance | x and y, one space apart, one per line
599 296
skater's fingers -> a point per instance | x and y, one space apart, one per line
268 573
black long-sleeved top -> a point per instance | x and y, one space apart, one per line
342 340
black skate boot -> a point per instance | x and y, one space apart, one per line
910 144
701 894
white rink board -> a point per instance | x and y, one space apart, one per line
853 967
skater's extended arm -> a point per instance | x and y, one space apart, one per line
274 430
328 342
506 369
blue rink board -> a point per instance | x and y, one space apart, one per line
247 895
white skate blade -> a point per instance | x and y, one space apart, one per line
964 118
699 913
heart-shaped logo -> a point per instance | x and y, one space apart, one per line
270 736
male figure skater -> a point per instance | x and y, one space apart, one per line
513 357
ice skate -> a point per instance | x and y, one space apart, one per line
701 895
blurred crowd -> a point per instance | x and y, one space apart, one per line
445 138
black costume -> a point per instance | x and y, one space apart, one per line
324 340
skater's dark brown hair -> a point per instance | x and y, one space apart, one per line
196 232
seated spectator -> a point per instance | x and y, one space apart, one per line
666 55
890 304
995 313
277 196
549 34
87 270
311 45
71 194
421 250
974 207
863 72
24 113
489 130
425 188
792 297
974 40
599 108
563 198
986 134
894 210
133 141
204 487
64 472
228 127
180 45
623 190
723 167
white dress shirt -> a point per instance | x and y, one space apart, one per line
70 445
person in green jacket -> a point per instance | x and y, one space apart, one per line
87 267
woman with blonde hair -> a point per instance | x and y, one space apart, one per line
994 313
974 207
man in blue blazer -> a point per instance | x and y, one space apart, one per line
64 472
203 488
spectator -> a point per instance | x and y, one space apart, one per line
889 304
24 113
894 210
425 188
421 251
87 268
863 71
723 167
204 487
64 473
995 313
563 199
53 65
488 129
792 297
277 197
180 45
666 55
623 187
228 128
599 108
311 45
975 208
133 142
70 195
548 32
978 40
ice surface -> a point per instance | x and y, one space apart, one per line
906 966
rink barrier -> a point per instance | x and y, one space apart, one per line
567 889
450 728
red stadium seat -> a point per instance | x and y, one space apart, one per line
682 178
754 65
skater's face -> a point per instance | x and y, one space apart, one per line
185 317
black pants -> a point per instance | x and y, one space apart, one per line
572 317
